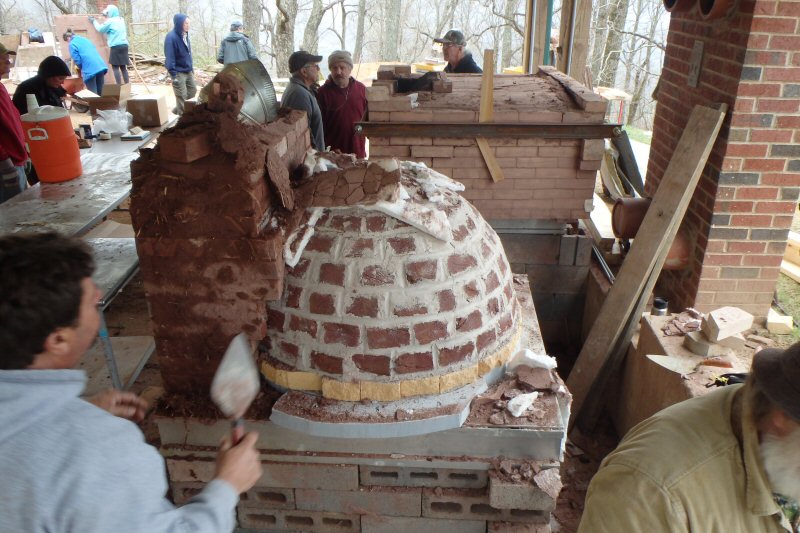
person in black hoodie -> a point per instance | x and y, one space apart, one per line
178 51
46 85
459 61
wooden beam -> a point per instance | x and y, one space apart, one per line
643 263
489 159
487 87
487 115
573 40
488 129
528 64
540 47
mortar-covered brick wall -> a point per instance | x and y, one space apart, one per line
208 262
374 299
742 209
545 179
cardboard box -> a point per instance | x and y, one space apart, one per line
113 97
148 110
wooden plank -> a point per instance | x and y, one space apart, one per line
790 269
628 161
646 256
580 39
540 47
564 34
491 162
487 87
530 17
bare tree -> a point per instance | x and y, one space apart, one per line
311 33
359 45
251 18
391 34
282 34
613 43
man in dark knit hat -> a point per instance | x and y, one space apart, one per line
46 85
725 461
343 102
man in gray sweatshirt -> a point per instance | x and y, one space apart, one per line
68 464
236 46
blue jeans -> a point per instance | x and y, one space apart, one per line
7 192
95 83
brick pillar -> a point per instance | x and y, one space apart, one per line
742 209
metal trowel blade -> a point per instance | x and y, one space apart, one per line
236 382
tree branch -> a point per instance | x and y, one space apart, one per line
61 7
640 36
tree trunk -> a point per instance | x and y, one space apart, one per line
600 32
633 40
643 74
391 33
283 36
311 33
91 6
61 7
359 45
613 43
251 18
343 35
183 6
507 52
126 12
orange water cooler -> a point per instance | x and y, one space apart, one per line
51 143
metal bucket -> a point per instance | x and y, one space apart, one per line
260 103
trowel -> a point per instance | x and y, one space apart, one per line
236 384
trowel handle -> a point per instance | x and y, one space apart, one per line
237 431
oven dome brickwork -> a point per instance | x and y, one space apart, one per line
373 299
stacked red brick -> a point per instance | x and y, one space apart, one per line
200 206
546 179
377 309
743 206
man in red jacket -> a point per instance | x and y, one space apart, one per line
12 140
343 102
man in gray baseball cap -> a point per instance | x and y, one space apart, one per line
459 61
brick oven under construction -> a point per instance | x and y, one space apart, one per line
406 384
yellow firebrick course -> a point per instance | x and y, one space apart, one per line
395 390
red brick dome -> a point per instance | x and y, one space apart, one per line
378 309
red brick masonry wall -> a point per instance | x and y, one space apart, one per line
742 208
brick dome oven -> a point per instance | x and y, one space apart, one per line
378 309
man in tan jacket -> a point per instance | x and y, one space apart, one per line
728 461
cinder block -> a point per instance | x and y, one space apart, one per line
378 93
566 254
268 498
389 476
389 501
735 342
726 321
383 524
698 344
307 476
593 149
510 527
779 324
473 504
525 494
196 471
295 520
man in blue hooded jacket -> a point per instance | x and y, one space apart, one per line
86 57
114 27
178 51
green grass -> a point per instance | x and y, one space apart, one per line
636 134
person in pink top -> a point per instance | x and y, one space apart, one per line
12 141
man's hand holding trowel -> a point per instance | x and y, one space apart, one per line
235 386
